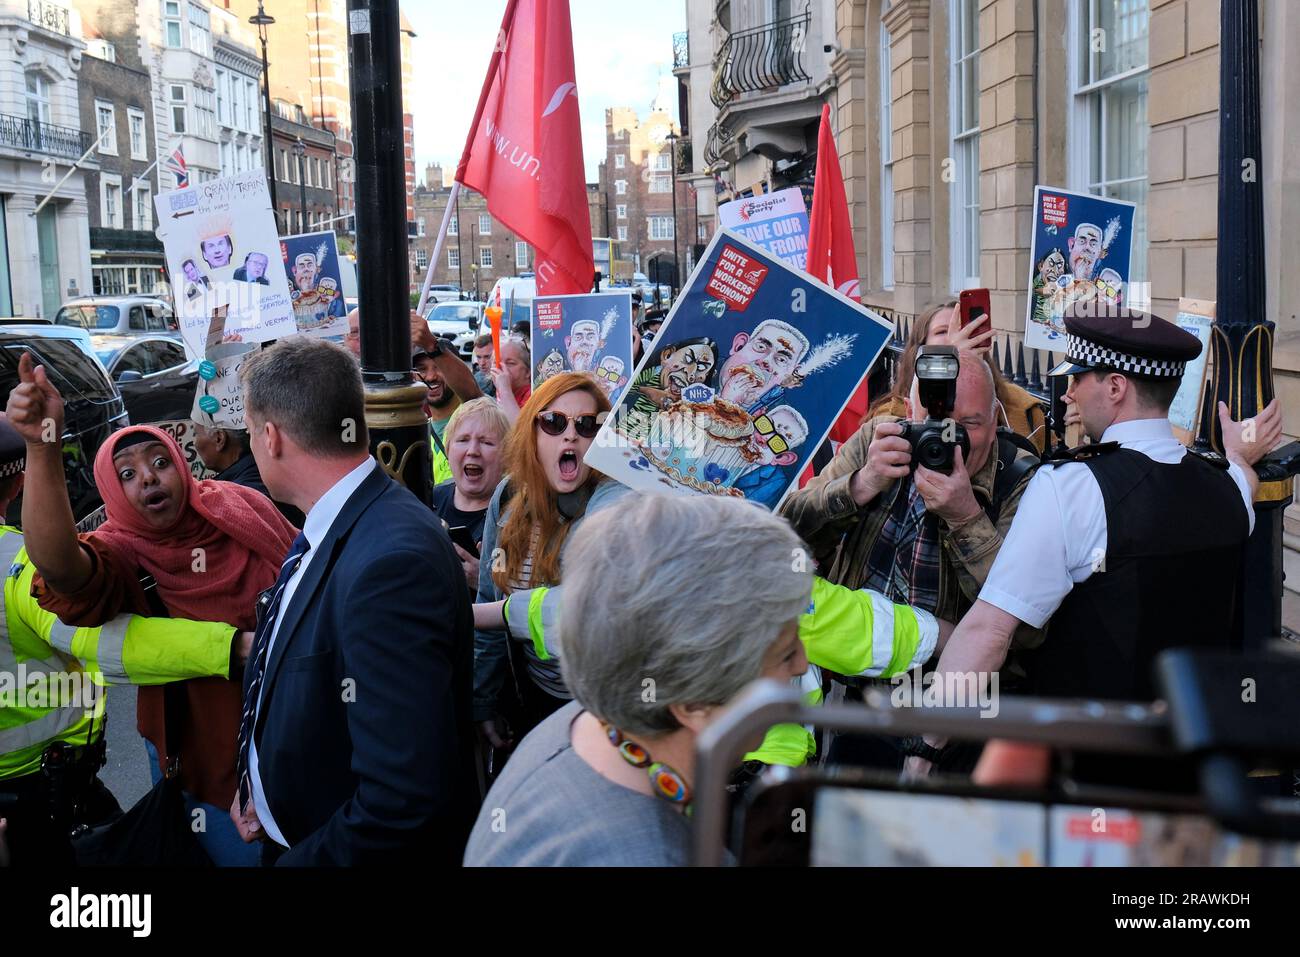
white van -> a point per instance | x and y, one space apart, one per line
523 288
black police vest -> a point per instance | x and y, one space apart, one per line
1175 536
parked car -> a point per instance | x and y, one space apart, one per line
118 314
444 293
458 320
93 407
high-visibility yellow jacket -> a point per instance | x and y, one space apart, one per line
441 464
52 675
850 632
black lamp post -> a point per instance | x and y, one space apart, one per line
672 159
300 150
261 19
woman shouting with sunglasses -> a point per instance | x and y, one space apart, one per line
548 490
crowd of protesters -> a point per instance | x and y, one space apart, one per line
469 682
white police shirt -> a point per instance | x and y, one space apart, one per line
1058 537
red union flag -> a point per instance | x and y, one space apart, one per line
524 151
832 258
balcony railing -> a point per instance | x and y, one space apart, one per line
719 137
50 16
20 132
763 58
681 50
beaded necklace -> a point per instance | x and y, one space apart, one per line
665 781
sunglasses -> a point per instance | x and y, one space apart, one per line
767 429
556 423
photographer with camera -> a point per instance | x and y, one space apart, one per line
918 509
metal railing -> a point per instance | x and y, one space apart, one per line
719 136
681 50
763 58
21 132
49 16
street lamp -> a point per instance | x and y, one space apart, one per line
261 19
672 141
300 150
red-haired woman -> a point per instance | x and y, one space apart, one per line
546 493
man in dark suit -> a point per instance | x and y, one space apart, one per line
357 744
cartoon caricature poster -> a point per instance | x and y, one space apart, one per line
743 382
591 332
220 240
1081 251
311 262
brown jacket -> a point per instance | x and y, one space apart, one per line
841 535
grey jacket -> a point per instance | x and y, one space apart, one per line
490 647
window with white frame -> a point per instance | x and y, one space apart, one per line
485 257
622 234
662 162
521 255
419 225
661 227
110 197
227 161
661 184
172 23
453 257
106 127
135 126
622 210
453 225
619 161
1108 123
250 105
205 113
620 187
177 96
200 30
886 164
143 208
38 98
964 109
422 259
223 97
484 224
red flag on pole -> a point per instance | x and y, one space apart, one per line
524 150
831 256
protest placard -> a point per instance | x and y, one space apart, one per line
1081 251
591 332
220 242
311 264
746 376
1197 317
777 223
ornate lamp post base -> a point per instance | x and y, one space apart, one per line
399 433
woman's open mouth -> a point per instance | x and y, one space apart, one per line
472 471
157 500
568 465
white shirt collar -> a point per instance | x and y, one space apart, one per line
328 506
1139 430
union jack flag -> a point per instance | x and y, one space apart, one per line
176 165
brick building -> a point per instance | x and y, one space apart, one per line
125 255
309 184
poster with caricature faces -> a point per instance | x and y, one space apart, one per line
223 250
311 263
747 375
1081 251
590 333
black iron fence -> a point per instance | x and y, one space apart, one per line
49 16
719 137
763 58
24 133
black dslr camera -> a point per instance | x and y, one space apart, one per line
934 440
